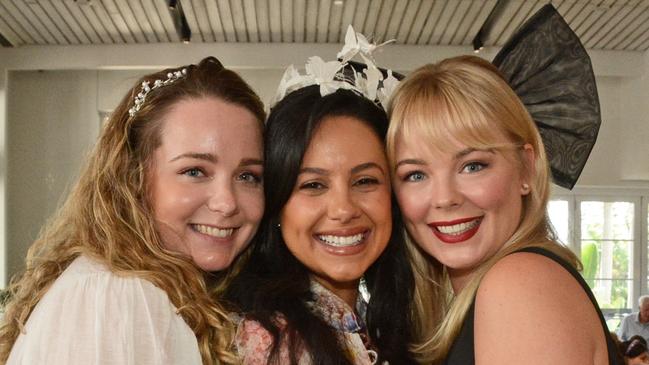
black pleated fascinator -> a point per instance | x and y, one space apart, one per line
549 69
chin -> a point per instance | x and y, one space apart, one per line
346 277
212 266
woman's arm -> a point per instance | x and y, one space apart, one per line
530 310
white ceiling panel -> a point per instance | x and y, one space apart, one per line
9 31
238 21
601 24
117 20
250 13
127 16
59 22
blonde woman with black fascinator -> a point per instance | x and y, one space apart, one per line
470 172
129 270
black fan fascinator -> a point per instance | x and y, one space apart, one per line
549 69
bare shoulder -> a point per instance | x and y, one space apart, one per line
534 304
524 273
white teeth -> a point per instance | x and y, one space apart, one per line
341 241
458 229
213 231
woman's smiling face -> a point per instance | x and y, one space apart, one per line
338 219
460 205
205 180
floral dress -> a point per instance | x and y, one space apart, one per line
253 341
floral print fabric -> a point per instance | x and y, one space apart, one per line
253 341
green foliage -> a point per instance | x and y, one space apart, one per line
590 260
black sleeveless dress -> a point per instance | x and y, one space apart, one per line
462 350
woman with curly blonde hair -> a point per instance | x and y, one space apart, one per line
128 270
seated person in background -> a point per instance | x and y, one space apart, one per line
635 351
636 323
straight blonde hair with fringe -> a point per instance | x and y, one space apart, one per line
108 218
466 99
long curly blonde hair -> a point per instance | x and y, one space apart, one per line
108 218
466 97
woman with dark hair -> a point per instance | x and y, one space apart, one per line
635 351
330 223
128 271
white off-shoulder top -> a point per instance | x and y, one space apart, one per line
92 316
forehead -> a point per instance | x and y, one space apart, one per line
209 123
432 137
344 139
645 304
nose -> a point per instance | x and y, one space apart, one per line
342 207
222 199
446 194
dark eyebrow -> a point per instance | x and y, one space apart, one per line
251 162
314 170
410 161
365 166
195 155
354 170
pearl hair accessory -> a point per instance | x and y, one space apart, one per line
369 83
141 97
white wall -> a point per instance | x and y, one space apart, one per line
51 117
53 122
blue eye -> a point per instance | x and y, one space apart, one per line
414 176
472 167
250 178
194 172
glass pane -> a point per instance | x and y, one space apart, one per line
558 211
607 255
613 294
606 260
607 220
614 317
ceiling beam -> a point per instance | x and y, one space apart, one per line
180 21
482 35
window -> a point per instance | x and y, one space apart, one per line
607 242
608 231
559 213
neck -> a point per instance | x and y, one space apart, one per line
459 278
348 291
348 296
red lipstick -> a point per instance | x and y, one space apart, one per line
456 238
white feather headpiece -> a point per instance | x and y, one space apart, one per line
329 75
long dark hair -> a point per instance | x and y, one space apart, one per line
274 281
